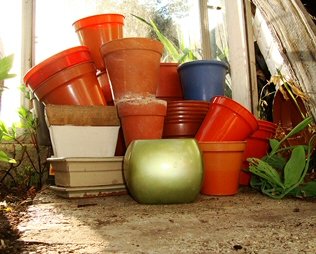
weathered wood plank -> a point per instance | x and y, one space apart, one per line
294 32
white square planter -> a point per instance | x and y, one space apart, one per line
80 172
89 192
83 141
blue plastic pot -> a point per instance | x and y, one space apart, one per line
202 79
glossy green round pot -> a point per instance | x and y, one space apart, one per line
163 171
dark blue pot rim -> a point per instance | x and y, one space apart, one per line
203 62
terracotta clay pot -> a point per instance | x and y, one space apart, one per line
226 120
257 147
133 65
94 31
67 78
222 165
142 118
169 87
163 171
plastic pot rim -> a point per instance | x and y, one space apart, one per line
94 20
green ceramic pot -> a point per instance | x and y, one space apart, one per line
163 171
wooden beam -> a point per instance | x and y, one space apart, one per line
294 33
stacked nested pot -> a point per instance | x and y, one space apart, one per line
133 69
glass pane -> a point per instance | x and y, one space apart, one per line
54 19
218 36
10 43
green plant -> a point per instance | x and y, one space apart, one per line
5 67
179 53
278 175
28 166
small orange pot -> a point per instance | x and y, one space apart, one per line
133 66
94 31
226 120
222 165
142 118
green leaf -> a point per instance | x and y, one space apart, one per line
172 50
305 190
274 144
264 170
294 167
301 126
5 66
5 158
276 161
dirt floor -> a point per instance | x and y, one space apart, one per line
245 223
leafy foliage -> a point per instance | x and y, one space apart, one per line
277 176
179 53
5 67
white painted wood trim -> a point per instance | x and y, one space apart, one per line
238 56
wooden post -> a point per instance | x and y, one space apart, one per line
241 64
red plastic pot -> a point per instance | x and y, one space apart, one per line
226 120
67 78
222 164
257 147
133 66
94 31
169 83
142 118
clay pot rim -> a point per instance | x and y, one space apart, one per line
189 116
182 121
238 109
132 43
154 107
188 109
169 64
222 146
203 62
189 102
58 62
107 18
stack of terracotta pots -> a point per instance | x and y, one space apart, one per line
133 67
184 118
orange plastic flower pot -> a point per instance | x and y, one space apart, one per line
94 31
58 62
68 77
133 65
142 118
226 120
222 165
257 147
75 85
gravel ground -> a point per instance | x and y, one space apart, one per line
245 223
